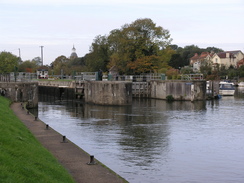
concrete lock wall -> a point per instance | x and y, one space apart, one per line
180 90
21 92
59 93
108 93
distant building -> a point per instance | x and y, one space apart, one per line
222 59
240 63
42 72
197 60
73 54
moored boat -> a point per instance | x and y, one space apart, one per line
241 84
226 88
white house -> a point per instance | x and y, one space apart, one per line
225 59
197 60
222 59
42 73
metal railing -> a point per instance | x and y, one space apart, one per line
18 77
81 76
192 77
136 78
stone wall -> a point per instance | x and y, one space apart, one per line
180 90
108 92
21 92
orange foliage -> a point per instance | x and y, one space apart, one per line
145 64
28 70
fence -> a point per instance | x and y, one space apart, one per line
81 76
136 78
18 77
192 77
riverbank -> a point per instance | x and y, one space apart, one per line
68 154
22 157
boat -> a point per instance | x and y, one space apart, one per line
226 88
241 84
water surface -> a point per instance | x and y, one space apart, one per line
155 141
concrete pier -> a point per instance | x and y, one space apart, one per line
21 92
179 89
122 92
108 92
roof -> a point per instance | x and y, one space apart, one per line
223 55
195 57
202 56
235 52
42 68
73 55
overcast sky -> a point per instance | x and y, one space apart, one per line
58 24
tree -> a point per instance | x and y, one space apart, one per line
60 64
206 68
145 64
98 57
172 73
176 61
28 66
141 42
8 62
37 61
137 42
213 49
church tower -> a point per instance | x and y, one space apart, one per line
73 54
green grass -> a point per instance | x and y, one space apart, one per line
22 158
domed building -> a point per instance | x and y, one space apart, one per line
73 54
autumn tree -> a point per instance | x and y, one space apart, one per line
140 42
130 47
28 66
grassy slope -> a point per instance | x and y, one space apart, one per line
22 157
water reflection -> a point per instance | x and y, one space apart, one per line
156 141
239 92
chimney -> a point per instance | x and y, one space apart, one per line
227 55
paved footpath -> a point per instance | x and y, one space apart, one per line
73 158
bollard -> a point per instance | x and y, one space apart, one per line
47 126
27 112
21 104
92 161
22 107
35 118
64 139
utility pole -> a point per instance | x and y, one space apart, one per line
42 54
19 57
19 53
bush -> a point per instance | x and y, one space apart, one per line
170 98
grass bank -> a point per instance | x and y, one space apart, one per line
22 157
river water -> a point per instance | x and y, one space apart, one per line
153 141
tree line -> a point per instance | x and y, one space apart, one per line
135 48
